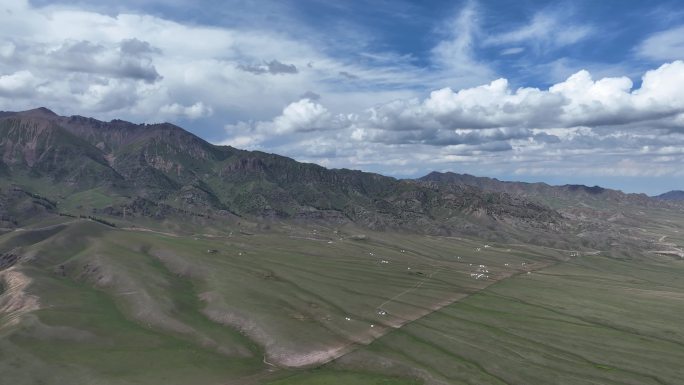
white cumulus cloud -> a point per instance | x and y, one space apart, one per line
19 83
603 125
195 111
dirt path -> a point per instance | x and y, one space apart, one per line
50 227
170 234
146 230
414 287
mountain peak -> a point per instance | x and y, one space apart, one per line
674 195
40 112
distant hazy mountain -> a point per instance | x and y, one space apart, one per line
674 195
555 196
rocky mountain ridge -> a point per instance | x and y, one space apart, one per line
158 171
162 169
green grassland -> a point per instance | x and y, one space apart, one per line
294 304
331 377
590 321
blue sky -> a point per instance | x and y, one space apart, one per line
587 92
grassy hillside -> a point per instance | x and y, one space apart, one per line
272 305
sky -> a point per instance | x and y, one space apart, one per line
581 92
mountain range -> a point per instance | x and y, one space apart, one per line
140 166
121 168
